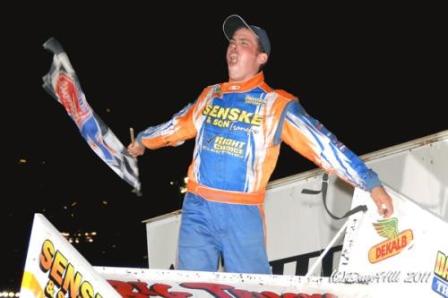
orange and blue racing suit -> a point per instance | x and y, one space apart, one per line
238 128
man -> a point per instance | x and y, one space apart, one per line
238 127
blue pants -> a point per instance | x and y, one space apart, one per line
210 229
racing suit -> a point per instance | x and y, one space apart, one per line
238 128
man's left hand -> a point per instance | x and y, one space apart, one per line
382 200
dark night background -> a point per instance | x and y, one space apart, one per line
375 76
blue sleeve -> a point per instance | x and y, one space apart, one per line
310 138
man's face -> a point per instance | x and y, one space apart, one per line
243 56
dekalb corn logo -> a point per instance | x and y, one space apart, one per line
395 243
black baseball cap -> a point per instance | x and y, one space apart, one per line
235 22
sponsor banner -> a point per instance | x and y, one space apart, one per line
62 83
142 283
177 283
54 268
410 247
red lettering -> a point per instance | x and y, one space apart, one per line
216 290
132 289
162 290
404 241
389 246
141 290
268 294
241 293
379 252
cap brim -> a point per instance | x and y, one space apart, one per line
233 23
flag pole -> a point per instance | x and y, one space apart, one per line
131 132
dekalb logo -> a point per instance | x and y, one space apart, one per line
395 243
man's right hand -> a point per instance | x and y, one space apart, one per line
136 149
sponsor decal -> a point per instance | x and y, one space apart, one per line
229 146
223 117
440 280
395 243
143 290
253 100
217 92
66 91
64 280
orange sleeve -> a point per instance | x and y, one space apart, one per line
178 129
